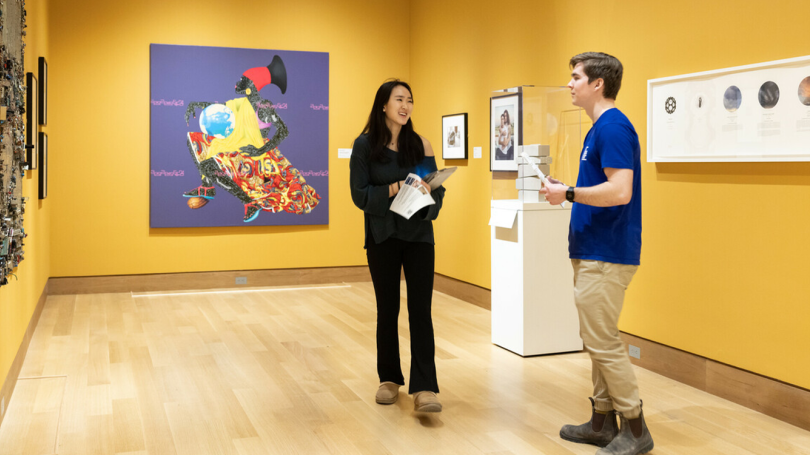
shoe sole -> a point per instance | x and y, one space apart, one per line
391 401
204 197
429 407
585 441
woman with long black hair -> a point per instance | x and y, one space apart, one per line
382 157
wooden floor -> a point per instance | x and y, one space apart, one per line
282 371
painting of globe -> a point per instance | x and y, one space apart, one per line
217 120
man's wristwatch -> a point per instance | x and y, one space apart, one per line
569 194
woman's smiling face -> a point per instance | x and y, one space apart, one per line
399 107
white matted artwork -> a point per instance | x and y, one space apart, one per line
755 112
454 137
505 131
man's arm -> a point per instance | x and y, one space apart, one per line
618 190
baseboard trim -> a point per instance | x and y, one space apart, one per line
782 401
16 366
205 280
462 290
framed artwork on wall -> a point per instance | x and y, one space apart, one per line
43 165
505 131
43 91
751 113
454 137
31 118
238 137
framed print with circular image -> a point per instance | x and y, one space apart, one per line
751 113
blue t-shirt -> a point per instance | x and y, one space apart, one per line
609 234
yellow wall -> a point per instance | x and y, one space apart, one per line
19 298
725 245
100 83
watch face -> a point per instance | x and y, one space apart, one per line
569 194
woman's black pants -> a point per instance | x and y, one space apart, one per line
385 261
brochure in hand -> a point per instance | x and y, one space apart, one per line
413 196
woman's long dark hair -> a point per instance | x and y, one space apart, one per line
409 144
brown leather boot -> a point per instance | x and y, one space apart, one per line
599 431
634 438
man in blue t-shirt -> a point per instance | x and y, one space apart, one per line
604 245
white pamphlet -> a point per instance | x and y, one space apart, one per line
413 196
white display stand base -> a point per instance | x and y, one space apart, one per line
533 310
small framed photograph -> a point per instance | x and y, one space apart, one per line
31 118
505 133
43 91
454 137
43 165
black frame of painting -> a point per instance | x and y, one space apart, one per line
43 91
43 165
31 118
463 134
508 165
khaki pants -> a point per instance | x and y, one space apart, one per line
599 293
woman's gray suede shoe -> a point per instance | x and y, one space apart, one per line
585 433
626 443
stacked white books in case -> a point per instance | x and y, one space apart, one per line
528 182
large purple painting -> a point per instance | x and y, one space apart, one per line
238 137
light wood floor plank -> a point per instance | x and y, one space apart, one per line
127 426
31 424
294 372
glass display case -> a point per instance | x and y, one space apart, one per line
528 116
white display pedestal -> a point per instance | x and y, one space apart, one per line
533 308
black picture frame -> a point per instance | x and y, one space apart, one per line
43 165
455 142
511 101
43 91
31 117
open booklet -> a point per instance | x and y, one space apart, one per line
413 196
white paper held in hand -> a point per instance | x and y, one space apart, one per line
539 172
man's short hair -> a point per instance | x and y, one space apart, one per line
600 65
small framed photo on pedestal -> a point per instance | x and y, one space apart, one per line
505 131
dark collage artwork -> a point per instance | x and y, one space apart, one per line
13 146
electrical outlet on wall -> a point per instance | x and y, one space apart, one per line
635 351
241 280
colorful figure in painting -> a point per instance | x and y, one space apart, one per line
234 152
